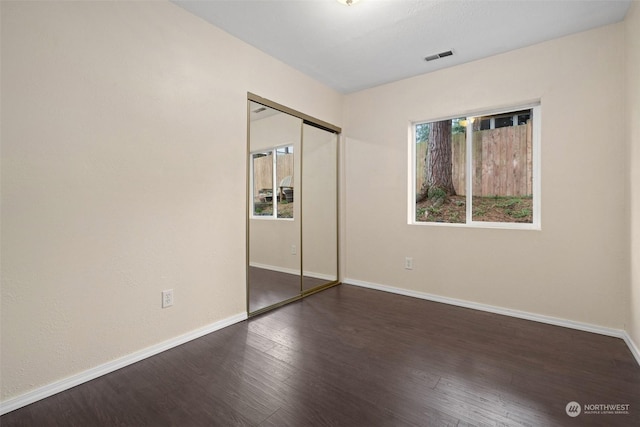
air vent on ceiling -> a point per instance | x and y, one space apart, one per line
259 110
438 55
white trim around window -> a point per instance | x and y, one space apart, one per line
468 220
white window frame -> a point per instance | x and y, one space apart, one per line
274 183
536 223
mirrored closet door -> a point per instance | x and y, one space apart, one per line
319 207
292 205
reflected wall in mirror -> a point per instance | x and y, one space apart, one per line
274 214
319 206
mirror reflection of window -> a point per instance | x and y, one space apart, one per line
262 183
284 179
273 182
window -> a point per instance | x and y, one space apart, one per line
272 178
480 170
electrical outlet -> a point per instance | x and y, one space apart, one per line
294 250
167 298
408 263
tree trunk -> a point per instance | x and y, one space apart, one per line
438 181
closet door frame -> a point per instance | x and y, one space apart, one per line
312 121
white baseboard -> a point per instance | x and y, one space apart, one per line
93 373
587 327
90 374
632 347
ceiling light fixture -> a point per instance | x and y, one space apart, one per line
348 2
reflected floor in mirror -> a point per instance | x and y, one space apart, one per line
268 287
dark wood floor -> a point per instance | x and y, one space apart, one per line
268 287
349 356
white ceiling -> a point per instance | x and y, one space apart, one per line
373 42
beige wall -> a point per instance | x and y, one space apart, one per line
123 127
123 174
632 26
577 267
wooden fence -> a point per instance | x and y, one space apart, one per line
502 162
263 171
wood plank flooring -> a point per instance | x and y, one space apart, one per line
349 356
